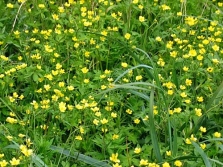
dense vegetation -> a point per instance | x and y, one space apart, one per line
111 83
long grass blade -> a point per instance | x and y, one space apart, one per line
37 161
140 65
154 138
81 157
213 139
216 161
217 96
202 153
139 94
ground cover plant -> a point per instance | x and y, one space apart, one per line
116 83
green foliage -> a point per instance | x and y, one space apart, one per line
111 83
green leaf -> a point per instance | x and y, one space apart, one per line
37 161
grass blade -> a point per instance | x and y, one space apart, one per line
216 161
203 155
154 138
217 96
81 157
37 161
140 65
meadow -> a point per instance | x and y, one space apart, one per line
111 83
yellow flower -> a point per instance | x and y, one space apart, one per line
78 138
125 80
165 7
124 65
47 87
177 110
210 69
58 66
114 158
203 146
127 36
86 81
188 141
136 121
217 134
61 84
178 163
168 153
70 88
183 94
129 111
215 61
86 54
179 14
116 165
192 138
115 136
81 129
11 120
41 6
62 107
14 161
159 39
215 47
143 162
3 163
9 5
135 1
137 150
192 53
84 70
103 87
141 19
190 21
170 92
61 9
140 7
200 99
104 33
205 41
198 112
21 1
55 17
200 57
16 33
27 152
113 115
1 155
139 77
107 71
104 121
95 121
173 54
185 68
188 82
166 164
203 129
